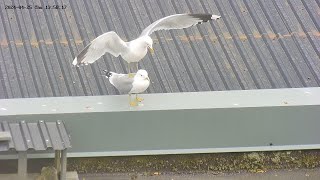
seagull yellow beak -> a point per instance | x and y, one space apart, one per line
147 78
151 50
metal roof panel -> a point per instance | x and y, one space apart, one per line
38 136
255 45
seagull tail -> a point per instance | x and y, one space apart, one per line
75 61
108 74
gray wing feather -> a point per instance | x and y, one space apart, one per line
178 21
122 82
108 42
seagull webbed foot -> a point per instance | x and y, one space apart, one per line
133 103
139 99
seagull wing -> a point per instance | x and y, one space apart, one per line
122 82
178 21
108 42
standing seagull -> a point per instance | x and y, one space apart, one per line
133 51
127 85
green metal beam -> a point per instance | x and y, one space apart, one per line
200 122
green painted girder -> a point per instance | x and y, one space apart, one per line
176 123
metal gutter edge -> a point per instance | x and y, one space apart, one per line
173 101
205 122
178 151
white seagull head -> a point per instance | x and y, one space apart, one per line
142 75
148 40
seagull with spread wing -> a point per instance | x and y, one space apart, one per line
133 51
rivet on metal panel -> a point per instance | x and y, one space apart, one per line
58 122
28 140
41 121
22 121
47 140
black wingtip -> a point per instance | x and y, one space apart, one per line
81 56
107 73
205 17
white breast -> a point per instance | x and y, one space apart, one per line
139 86
134 56
136 51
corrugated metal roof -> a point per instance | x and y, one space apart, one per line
257 44
38 136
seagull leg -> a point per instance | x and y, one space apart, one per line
130 75
139 99
137 67
132 103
